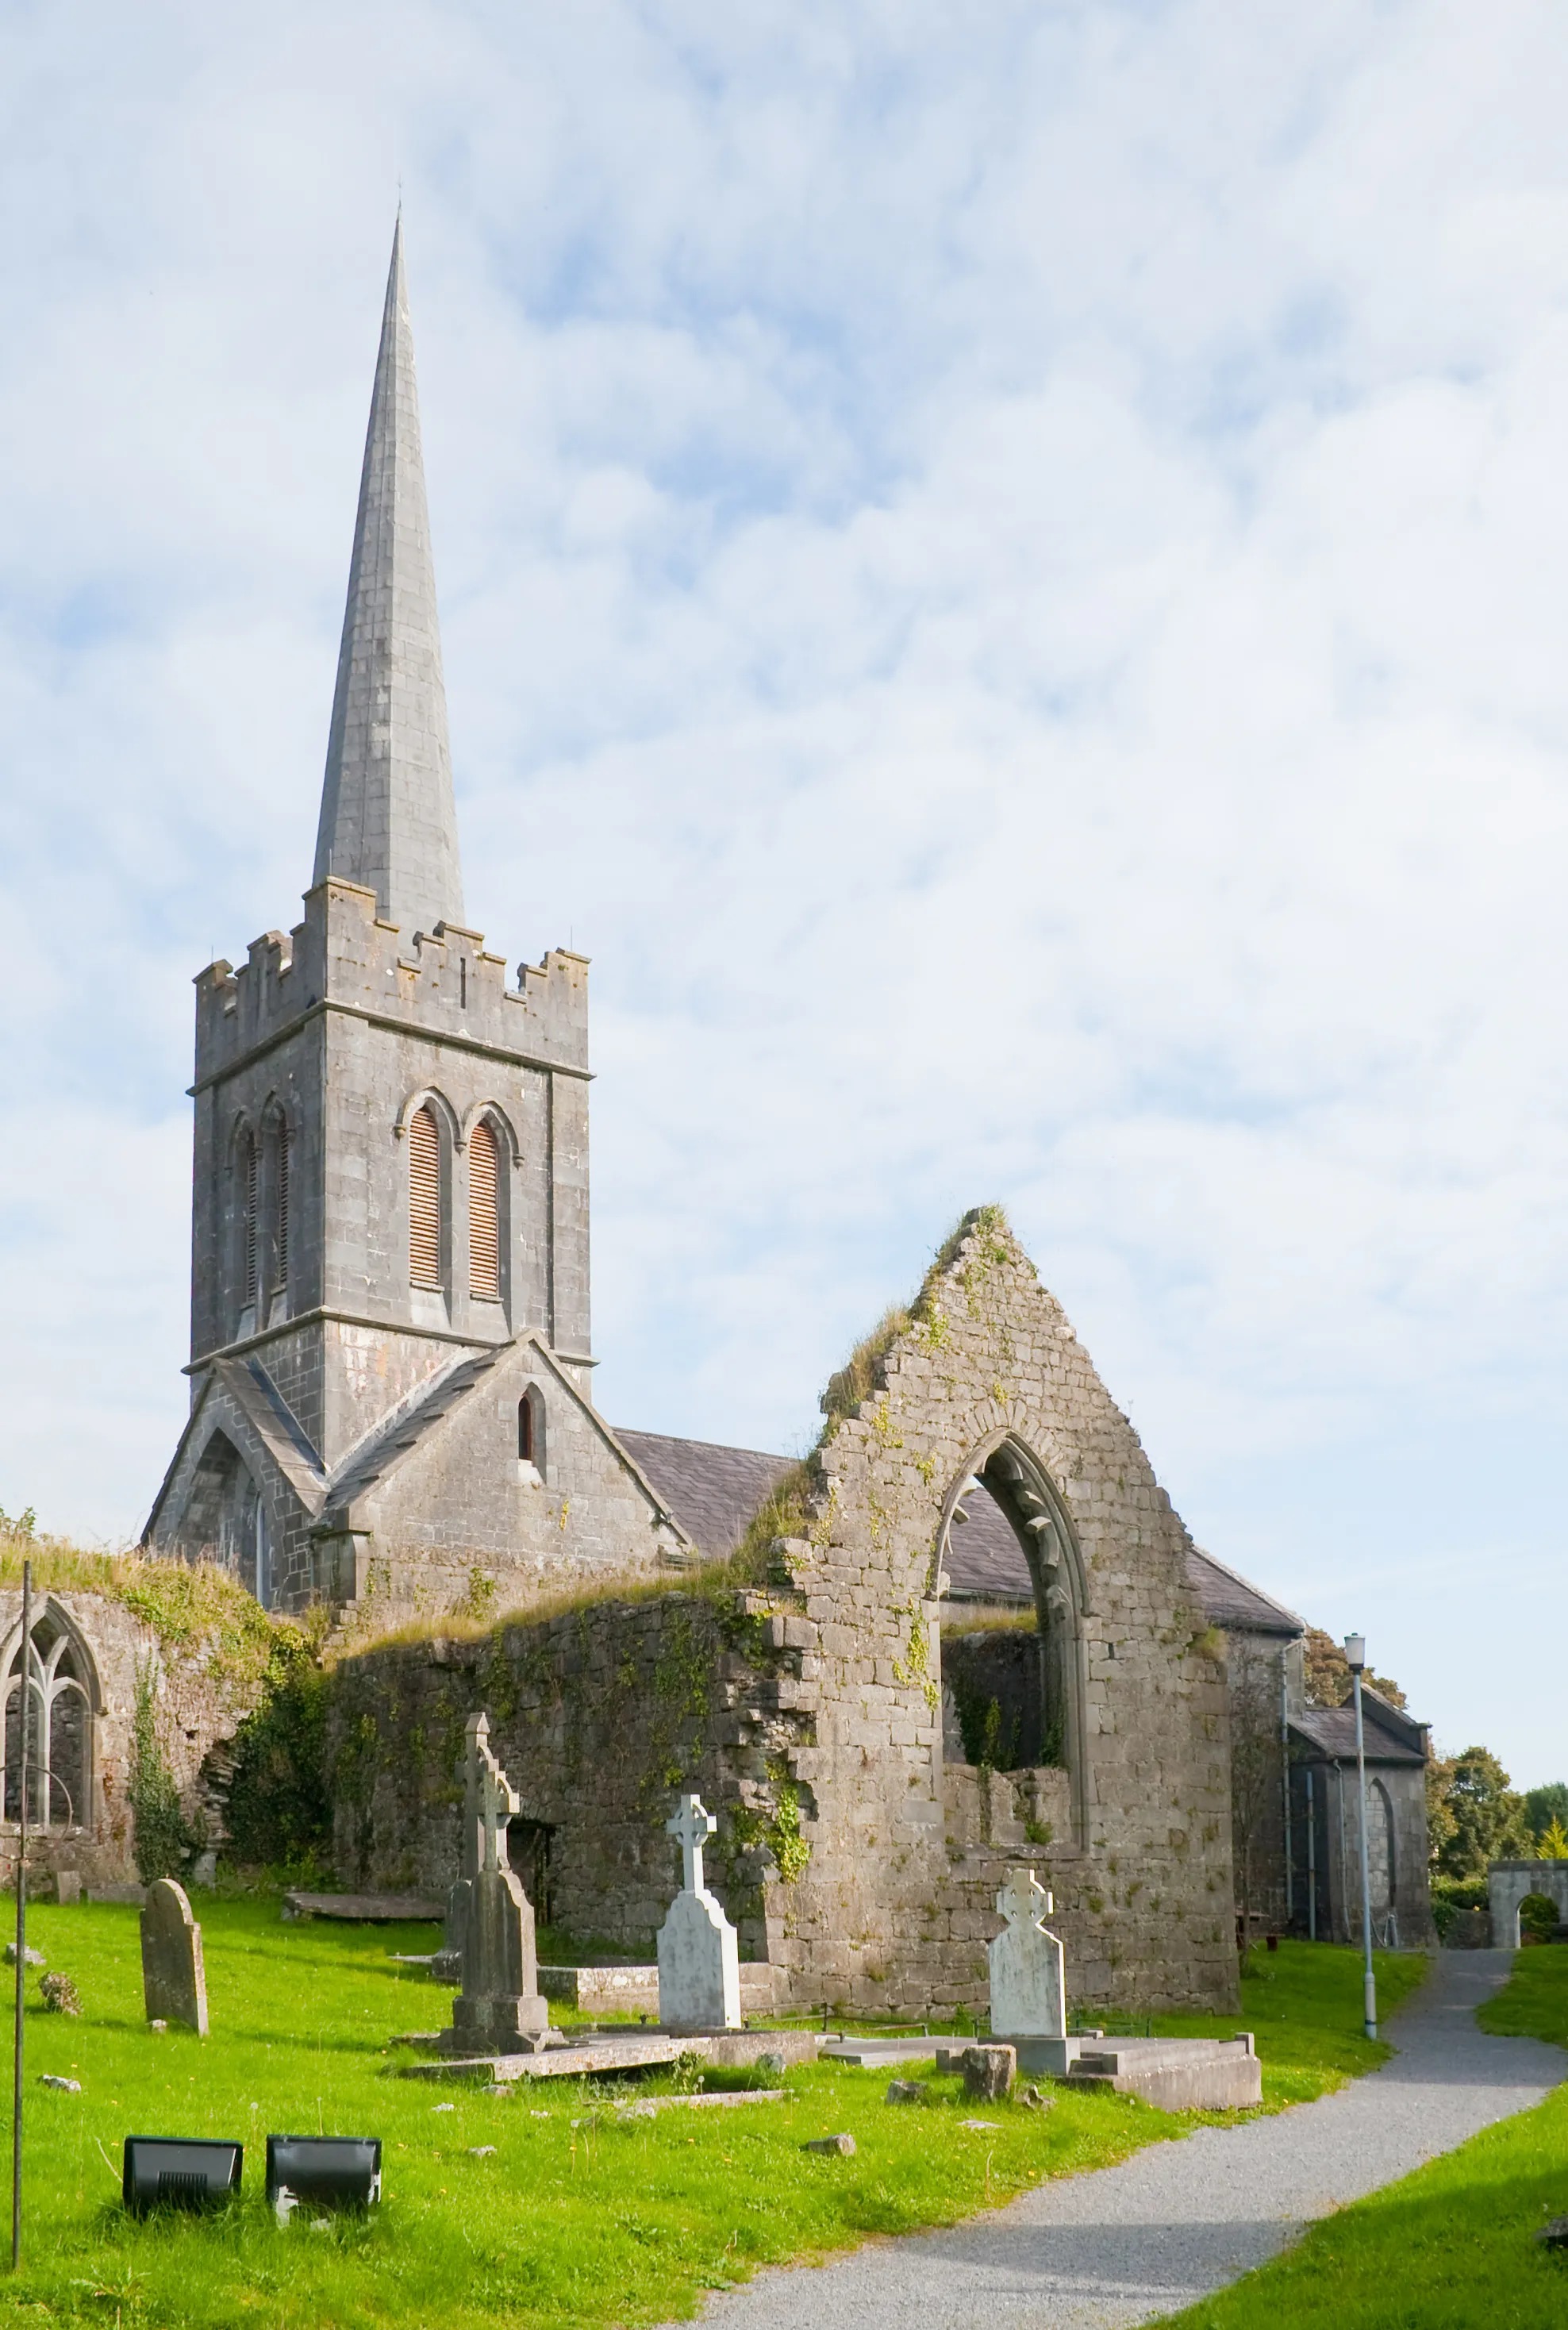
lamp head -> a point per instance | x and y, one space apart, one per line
1356 1653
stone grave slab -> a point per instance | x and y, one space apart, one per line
174 1978
1175 2074
634 1989
598 2059
698 1954
367 1908
869 2053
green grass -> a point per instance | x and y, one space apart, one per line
579 2218
1452 2247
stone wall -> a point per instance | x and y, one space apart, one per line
991 1677
600 1715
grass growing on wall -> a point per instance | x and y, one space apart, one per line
189 1607
579 2217
1452 2246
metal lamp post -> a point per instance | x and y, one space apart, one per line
1355 1659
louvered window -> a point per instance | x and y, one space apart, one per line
282 1203
424 1200
484 1226
250 1162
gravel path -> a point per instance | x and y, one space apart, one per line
1128 2244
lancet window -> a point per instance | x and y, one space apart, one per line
60 1742
424 1199
249 1172
531 1429
484 1214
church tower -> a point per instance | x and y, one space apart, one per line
391 1155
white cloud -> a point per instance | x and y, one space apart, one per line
1004 578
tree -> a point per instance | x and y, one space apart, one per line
1545 1806
1256 1751
1327 1673
1485 1819
1552 1845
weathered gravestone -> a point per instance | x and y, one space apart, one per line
1028 1976
699 1959
173 1978
498 2010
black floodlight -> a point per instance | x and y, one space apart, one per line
164 2172
340 2172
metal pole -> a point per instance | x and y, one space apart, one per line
1368 1979
1285 1788
24 1714
1311 1861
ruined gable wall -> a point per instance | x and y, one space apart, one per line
897 1901
818 1699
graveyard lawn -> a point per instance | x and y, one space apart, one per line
581 2214
1453 2245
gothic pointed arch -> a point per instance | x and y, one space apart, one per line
427 1124
242 1259
275 1200
489 1147
1021 1485
63 1700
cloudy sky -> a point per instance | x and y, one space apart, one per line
1003 573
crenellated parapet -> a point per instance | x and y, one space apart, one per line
441 983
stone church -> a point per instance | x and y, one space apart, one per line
392 1412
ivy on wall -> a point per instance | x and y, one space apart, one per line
163 1838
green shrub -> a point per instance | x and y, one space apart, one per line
1538 1919
1450 1895
161 1840
280 1810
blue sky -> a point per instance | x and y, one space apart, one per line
1004 576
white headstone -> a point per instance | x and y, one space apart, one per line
1028 1985
699 1961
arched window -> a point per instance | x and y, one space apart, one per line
484 1214
249 1161
531 1429
282 1204
1381 1873
60 1742
424 1200
1011 1506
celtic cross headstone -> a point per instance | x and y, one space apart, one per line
699 1957
490 1921
1028 1985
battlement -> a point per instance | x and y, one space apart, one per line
441 982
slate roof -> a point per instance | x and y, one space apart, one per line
375 1458
984 1560
1391 1737
712 1491
1229 1599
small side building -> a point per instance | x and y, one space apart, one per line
1326 1825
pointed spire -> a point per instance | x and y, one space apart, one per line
387 816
